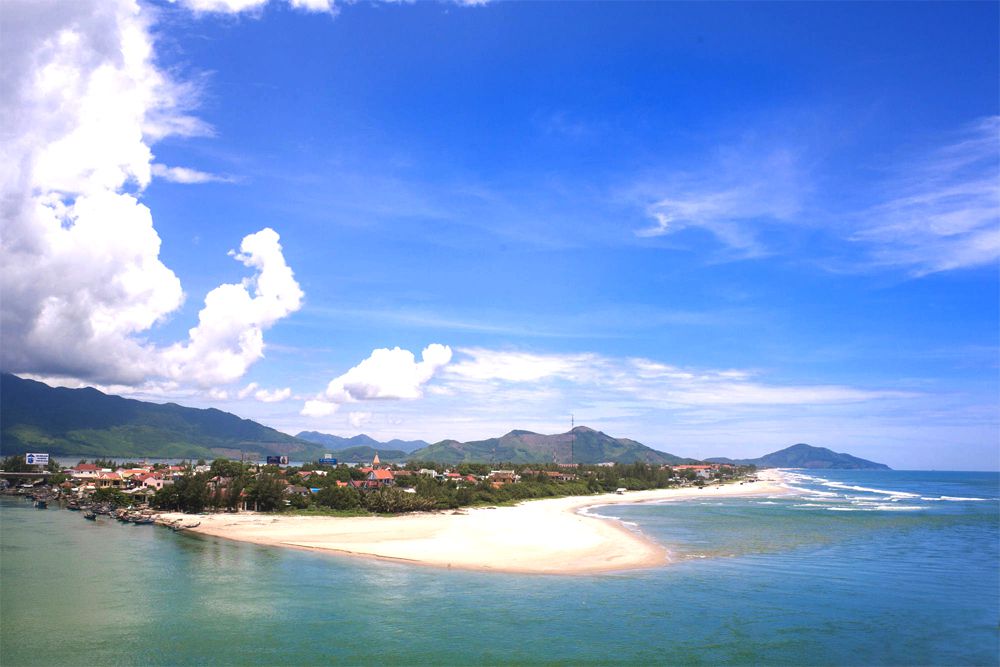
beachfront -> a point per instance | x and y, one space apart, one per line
549 536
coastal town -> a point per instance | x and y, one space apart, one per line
138 491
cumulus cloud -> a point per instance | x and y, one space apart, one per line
389 374
385 375
230 332
83 281
318 408
273 395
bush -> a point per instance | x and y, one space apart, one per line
389 500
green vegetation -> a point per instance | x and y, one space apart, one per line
112 496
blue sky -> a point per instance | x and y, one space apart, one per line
719 229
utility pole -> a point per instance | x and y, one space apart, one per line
572 435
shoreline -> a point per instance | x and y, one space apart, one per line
549 536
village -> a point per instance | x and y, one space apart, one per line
134 491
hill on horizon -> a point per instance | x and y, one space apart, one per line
88 422
580 445
806 456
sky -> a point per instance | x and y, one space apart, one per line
718 229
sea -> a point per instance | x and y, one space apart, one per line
853 568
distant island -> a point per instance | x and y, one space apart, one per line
806 456
87 422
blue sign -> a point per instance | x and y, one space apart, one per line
328 462
36 459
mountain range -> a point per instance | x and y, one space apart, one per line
580 445
89 423
336 442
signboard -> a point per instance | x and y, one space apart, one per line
36 459
328 461
277 460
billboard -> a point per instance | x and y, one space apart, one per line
36 459
277 460
327 461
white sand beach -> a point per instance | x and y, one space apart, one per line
543 536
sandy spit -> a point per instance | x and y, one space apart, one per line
549 536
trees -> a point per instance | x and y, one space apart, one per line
187 494
339 498
109 495
266 492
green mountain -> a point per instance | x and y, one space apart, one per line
807 456
581 445
335 442
87 422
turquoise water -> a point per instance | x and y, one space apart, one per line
906 572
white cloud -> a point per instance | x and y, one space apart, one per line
938 213
385 375
732 199
636 381
482 364
359 419
318 408
230 332
83 281
273 395
238 6
247 390
186 176
944 212
389 374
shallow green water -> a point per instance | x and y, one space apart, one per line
765 581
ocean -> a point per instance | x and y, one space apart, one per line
855 568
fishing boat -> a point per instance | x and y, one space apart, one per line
73 506
91 515
41 504
142 520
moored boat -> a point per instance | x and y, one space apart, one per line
90 515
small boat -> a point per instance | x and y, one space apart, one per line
90 515
41 504
73 506
142 520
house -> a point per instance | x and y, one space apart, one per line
380 477
503 477
109 480
293 490
702 471
85 471
156 482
